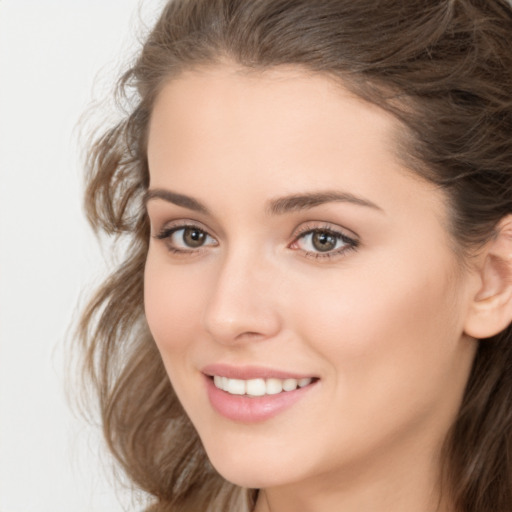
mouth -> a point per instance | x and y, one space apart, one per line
259 386
250 394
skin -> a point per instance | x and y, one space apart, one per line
381 324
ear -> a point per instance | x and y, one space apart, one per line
491 308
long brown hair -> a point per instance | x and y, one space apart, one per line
444 68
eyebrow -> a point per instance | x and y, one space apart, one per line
175 198
278 206
299 202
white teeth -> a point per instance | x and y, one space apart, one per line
236 386
290 384
259 387
256 387
274 386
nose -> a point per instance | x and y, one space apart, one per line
243 304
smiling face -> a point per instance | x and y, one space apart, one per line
290 247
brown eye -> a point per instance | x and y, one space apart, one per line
193 237
186 238
323 241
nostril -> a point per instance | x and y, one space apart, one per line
249 336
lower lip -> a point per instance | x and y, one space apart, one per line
247 409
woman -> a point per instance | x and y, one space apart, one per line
314 310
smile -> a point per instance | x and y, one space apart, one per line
259 387
257 397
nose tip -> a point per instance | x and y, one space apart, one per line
236 320
232 330
241 308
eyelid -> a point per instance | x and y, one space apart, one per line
351 240
166 231
180 224
307 227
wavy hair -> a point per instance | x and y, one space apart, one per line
444 69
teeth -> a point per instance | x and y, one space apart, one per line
259 387
256 387
304 382
236 386
274 386
289 384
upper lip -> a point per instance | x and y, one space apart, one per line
250 372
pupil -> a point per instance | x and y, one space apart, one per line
323 241
193 237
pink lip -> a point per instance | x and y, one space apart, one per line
246 409
249 372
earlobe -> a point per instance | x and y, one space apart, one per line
491 308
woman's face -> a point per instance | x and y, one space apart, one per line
290 247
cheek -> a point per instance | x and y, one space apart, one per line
387 332
173 304
361 314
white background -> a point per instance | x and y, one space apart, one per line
55 57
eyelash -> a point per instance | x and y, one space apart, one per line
167 232
349 244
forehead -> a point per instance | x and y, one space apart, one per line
282 93
277 111
222 130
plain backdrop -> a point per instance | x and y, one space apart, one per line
56 56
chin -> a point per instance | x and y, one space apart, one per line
252 469
250 478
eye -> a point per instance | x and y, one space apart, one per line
189 237
185 238
323 242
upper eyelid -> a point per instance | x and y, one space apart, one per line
333 228
170 230
160 221
180 224
348 240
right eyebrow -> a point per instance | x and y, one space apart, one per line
175 198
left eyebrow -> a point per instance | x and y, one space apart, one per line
298 202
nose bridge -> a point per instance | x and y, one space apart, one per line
242 302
